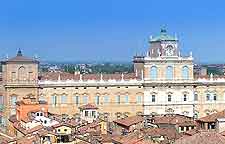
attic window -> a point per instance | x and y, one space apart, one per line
45 121
37 114
58 130
41 114
65 130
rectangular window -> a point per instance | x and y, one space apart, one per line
185 97
214 97
208 96
139 99
169 98
77 100
86 113
63 99
97 100
85 99
30 75
54 100
106 99
153 98
93 114
13 100
117 99
13 75
126 99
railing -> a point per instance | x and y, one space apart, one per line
110 81
164 80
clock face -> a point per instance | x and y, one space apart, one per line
169 50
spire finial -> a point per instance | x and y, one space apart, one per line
19 53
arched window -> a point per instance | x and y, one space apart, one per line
169 72
153 72
185 72
21 73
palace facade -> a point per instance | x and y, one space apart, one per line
163 82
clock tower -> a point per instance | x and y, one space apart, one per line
164 45
168 77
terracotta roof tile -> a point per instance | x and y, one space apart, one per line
132 138
191 132
202 138
212 117
174 119
129 121
169 133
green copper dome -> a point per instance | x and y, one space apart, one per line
163 37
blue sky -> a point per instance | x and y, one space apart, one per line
110 30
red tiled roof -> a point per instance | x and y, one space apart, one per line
132 138
212 117
203 137
175 120
129 121
69 76
72 122
191 132
61 124
170 133
88 106
88 128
